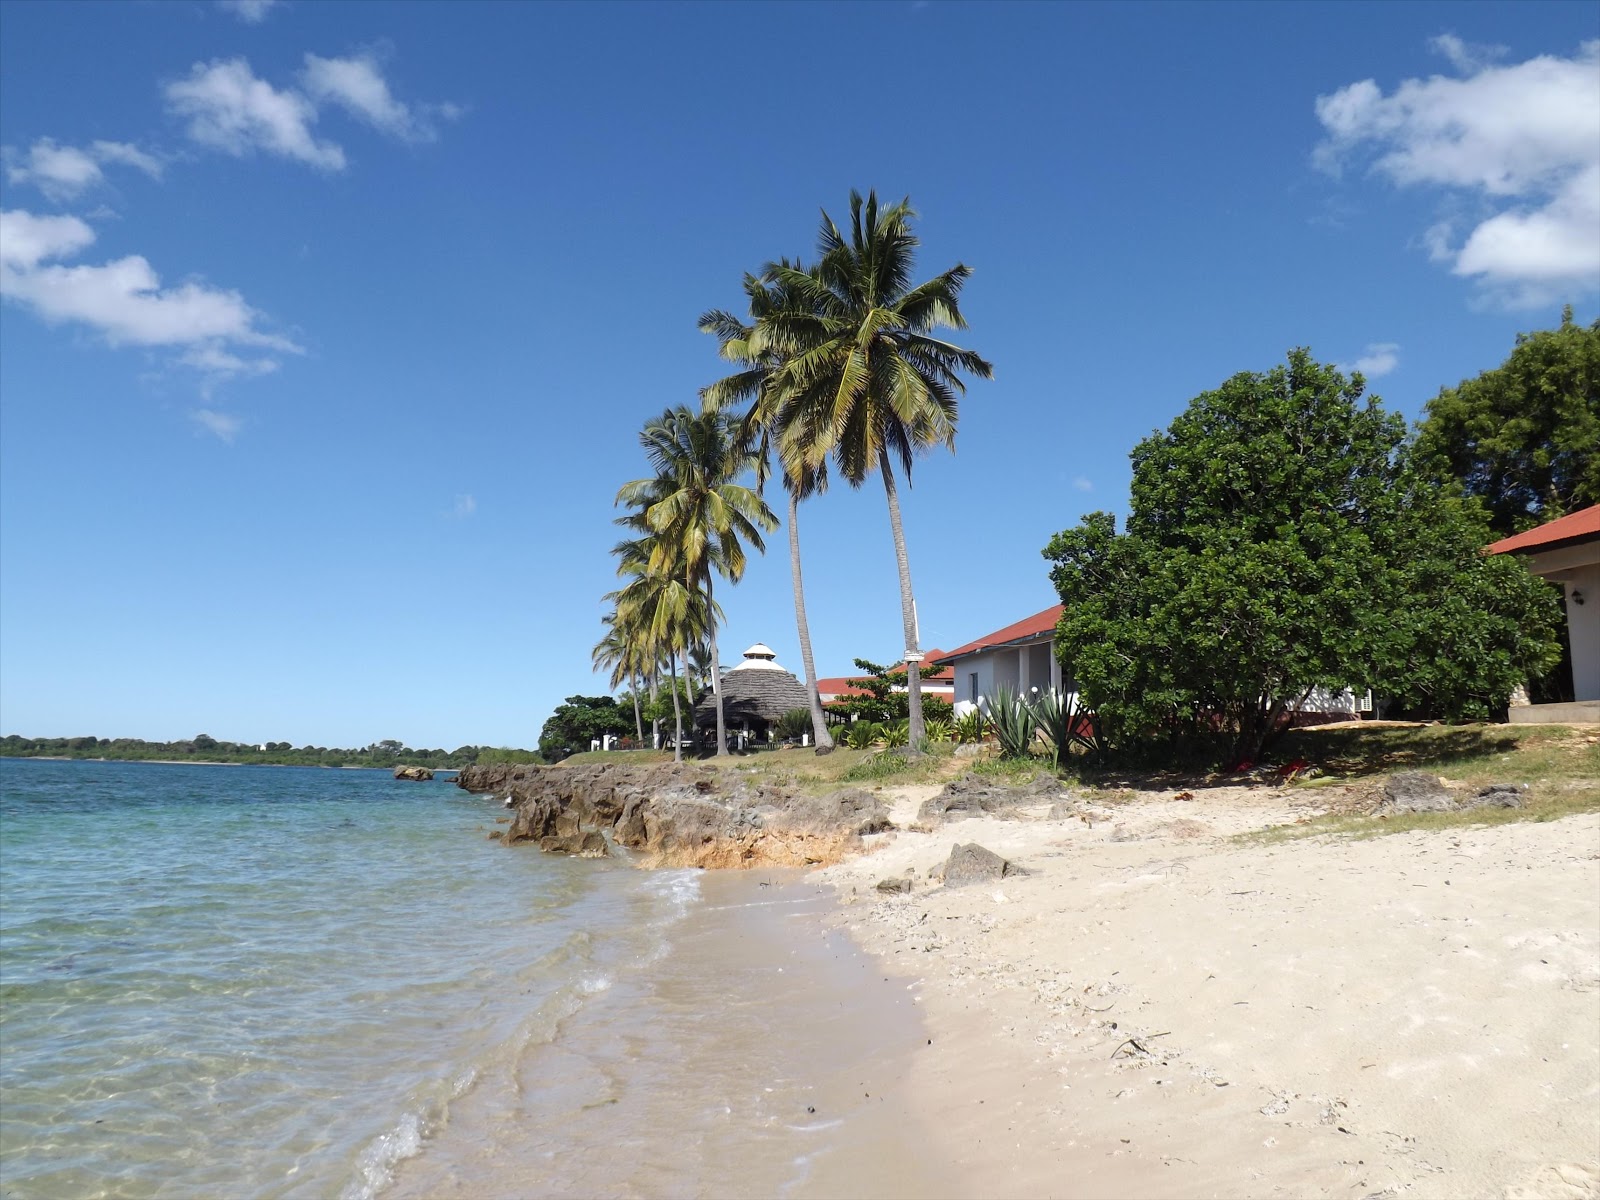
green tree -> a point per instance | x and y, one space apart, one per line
701 518
1524 437
577 722
1279 540
861 380
754 385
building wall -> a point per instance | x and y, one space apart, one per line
1583 620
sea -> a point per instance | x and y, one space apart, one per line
221 981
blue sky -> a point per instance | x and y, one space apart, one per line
328 328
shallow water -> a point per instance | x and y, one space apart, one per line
294 982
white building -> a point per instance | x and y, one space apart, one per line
1567 551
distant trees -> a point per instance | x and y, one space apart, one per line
206 748
1524 438
579 720
1281 539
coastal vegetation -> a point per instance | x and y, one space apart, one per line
1283 539
384 755
839 372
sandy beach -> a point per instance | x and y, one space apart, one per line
1161 1009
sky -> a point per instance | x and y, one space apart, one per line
328 329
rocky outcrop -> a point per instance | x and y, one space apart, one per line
419 774
975 795
677 815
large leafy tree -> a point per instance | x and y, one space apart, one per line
1524 437
700 516
754 386
578 721
859 377
1279 540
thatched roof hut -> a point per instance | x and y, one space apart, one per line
754 694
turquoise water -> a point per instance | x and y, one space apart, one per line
220 981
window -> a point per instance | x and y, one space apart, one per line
972 687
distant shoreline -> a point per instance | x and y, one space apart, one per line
197 762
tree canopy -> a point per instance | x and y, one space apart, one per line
1280 540
1524 437
579 720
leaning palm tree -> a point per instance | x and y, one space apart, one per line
700 518
751 384
860 379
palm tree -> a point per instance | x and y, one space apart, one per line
735 343
860 380
614 651
700 518
663 617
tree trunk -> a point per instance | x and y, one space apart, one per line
819 722
638 717
716 672
677 712
655 693
908 609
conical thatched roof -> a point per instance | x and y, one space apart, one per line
757 691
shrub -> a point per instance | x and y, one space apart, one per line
861 735
1013 722
794 723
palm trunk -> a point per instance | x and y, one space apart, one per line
638 717
677 711
655 694
908 609
819 722
716 672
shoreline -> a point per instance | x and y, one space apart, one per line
1156 1010
193 762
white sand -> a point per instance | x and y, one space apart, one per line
1411 1015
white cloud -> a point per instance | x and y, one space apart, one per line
1379 359
358 86
123 300
1465 57
1083 484
223 425
64 172
464 506
231 110
1523 138
251 12
128 155
27 240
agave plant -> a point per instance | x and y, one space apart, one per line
862 735
896 733
1065 723
970 726
939 729
1013 721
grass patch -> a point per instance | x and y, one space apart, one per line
1538 807
1468 753
620 757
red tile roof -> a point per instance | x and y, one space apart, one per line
1585 523
850 685
1029 627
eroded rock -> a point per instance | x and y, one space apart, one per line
972 863
418 774
1496 795
1415 791
975 795
677 815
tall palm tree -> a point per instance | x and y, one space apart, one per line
751 384
700 517
860 379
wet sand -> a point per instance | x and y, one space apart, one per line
763 1055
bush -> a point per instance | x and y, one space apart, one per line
1013 721
861 735
795 723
